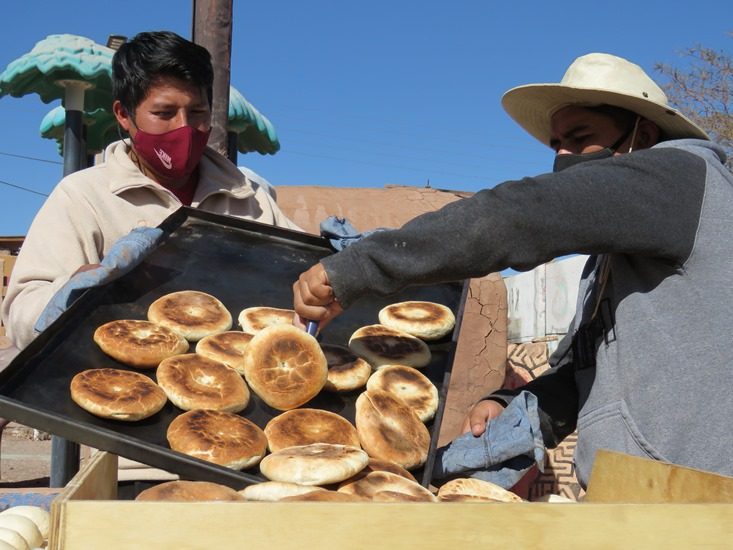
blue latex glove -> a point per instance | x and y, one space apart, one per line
341 233
510 446
122 258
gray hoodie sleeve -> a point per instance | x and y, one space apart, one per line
647 202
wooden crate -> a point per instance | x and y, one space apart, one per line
86 515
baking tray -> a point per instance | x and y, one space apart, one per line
244 264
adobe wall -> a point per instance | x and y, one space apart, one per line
480 360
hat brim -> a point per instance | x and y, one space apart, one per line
533 105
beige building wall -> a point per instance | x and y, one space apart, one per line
480 359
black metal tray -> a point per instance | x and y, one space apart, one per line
243 263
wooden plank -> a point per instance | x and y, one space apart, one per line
129 525
97 480
618 477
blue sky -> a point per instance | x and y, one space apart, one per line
364 94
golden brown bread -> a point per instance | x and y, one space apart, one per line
381 345
472 489
190 313
223 438
410 385
271 491
192 381
285 366
117 394
227 347
426 320
138 343
375 482
346 371
314 464
189 491
389 430
306 426
254 319
379 465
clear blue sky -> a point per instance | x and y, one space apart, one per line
364 94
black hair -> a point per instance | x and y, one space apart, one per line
137 65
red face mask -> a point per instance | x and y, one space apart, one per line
174 154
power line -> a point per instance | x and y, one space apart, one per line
23 188
30 158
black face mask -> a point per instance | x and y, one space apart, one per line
567 160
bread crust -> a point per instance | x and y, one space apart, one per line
220 437
191 313
389 430
189 491
305 426
376 482
381 345
346 371
426 320
410 385
315 464
472 489
285 366
192 381
254 319
227 347
117 394
138 343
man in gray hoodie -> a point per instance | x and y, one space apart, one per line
643 191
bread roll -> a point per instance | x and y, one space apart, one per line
137 343
271 491
426 320
389 430
227 347
24 527
219 437
285 366
192 381
13 539
378 465
36 514
315 464
117 394
381 345
306 426
188 491
254 319
346 371
190 313
375 482
471 489
410 385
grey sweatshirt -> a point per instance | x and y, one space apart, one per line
645 376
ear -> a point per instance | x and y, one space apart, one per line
122 116
647 134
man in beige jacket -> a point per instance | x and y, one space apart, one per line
162 98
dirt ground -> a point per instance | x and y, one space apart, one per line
25 457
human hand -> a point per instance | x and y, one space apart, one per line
479 415
314 299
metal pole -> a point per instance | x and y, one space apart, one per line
64 453
72 142
64 461
212 28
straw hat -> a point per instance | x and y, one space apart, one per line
597 79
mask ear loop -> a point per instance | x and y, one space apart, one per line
633 134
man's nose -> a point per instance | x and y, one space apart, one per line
181 119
